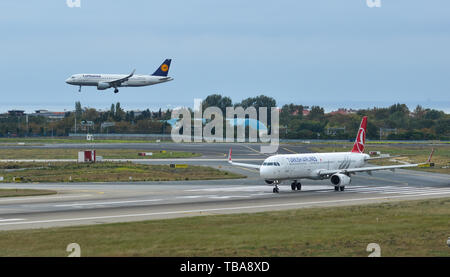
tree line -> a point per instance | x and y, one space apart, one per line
297 121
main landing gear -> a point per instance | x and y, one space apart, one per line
296 185
339 188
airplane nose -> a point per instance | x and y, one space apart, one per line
68 81
263 172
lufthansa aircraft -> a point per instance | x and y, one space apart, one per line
106 81
338 167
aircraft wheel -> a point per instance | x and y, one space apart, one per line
336 188
116 91
293 186
342 188
299 186
276 190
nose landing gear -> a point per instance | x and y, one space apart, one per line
116 90
276 189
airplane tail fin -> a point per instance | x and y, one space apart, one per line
163 69
360 140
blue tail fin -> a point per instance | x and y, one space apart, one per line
163 69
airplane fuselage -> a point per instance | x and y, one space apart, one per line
308 166
99 79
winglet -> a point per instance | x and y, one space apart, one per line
229 156
132 73
431 155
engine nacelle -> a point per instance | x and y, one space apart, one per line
103 86
340 180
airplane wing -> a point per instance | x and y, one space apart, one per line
369 169
118 82
254 166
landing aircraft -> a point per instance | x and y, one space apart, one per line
106 81
336 166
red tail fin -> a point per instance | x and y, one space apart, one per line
358 147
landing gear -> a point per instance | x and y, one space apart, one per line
339 188
296 185
116 90
276 189
79 90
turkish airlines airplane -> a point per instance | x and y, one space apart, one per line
106 81
336 166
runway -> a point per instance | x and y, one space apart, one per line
98 203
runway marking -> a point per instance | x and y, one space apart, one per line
256 151
45 197
215 209
194 196
11 219
248 169
289 150
107 203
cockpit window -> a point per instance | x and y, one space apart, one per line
271 164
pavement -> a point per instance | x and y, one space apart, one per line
99 203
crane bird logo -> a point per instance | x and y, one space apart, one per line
164 67
361 140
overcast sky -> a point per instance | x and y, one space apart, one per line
318 52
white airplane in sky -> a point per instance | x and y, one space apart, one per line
336 166
106 81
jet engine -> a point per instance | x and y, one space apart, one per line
102 86
340 180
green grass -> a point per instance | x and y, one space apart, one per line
111 172
409 228
27 154
24 192
411 154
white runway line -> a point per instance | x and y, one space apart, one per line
45 197
107 203
11 219
195 196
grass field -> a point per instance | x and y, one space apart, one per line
110 172
410 228
411 154
24 192
35 153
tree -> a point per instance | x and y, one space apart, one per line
316 113
120 114
112 111
216 100
78 109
